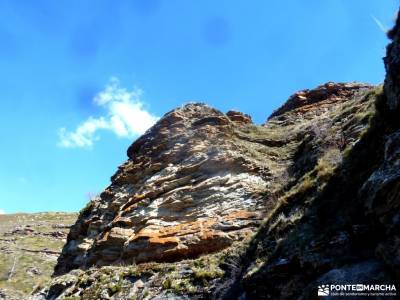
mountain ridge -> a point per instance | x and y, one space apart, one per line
211 206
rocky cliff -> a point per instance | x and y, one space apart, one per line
212 206
198 181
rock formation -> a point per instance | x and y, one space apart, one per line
195 182
212 206
392 65
349 228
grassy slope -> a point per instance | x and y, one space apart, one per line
32 242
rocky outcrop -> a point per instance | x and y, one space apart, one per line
238 116
344 229
186 190
392 65
195 183
382 189
201 181
324 94
381 194
212 206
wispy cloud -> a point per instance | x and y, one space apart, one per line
125 116
379 24
2 212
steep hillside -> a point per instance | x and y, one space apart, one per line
212 206
197 182
348 228
201 181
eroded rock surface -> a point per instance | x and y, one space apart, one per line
340 228
200 180
392 65
324 95
185 190
322 174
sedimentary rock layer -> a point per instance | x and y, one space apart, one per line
200 180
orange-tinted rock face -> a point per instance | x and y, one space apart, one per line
185 190
325 168
199 181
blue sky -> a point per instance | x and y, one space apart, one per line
80 80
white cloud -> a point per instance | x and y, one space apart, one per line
2 212
125 116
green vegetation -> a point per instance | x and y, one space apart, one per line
312 157
206 268
30 245
114 288
301 225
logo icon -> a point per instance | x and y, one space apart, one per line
359 287
323 290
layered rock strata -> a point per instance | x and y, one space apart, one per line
185 190
321 173
199 180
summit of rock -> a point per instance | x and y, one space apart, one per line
323 95
185 190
